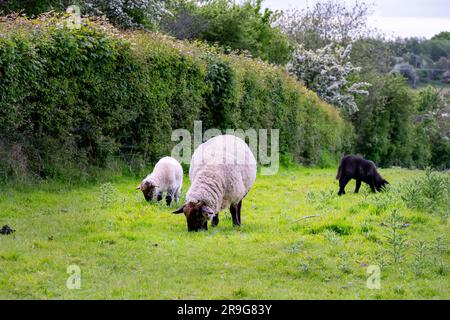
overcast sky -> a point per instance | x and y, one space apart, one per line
405 18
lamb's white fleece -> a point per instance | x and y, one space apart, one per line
167 176
222 171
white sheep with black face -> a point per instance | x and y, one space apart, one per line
222 171
167 176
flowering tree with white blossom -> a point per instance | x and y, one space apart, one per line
327 71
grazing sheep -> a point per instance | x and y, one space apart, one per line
353 167
167 176
222 172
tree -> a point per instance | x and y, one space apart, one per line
383 124
407 71
444 35
327 71
186 21
372 54
432 127
242 27
327 21
122 13
34 7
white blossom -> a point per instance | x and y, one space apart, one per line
325 71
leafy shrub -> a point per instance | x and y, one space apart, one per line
429 193
432 130
396 240
243 27
420 257
75 99
383 125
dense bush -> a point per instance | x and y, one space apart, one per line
34 7
76 99
383 124
432 129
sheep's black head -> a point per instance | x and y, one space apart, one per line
380 184
197 215
148 189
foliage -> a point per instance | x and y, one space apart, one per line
36 7
429 193
420 257
432 130
242 27
77 98
372 54
383 125
327 71
128 13
330 21
444 35
396 240
428 58
407 71
122 13
326 22
107 194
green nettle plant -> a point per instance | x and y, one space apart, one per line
382 201
78 100
327 72
420 257
440 249
396 240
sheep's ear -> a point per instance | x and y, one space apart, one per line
150 184
179 210
207 212
138 187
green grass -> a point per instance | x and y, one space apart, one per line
127 248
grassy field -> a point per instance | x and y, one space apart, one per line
127 248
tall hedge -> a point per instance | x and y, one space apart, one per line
76 99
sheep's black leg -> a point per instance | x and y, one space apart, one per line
168 199
358 185
342 183
159 196
215 220
239 207
233 210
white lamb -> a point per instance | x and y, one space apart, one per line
222 172
167 176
